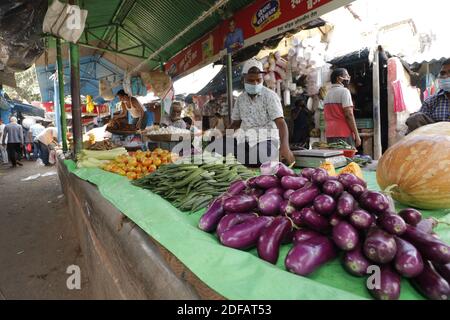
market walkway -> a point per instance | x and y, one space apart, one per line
37 242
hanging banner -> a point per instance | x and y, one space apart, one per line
259 21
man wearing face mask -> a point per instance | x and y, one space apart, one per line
437 107
340 121
259 116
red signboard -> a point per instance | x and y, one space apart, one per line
257 22
101 108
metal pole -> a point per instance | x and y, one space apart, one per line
76 99
229 85
376 106
61 94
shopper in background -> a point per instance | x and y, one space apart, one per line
47 140
28 143
36 129
259 114
174 118
303 123
340 123
437 107
218 123
190 125
3 153
13 132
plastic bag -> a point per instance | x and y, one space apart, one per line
65 21
137 87
105 90
158 80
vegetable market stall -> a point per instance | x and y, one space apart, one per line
165 255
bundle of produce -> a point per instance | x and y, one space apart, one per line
340 145
323 216
96 159
102 145
136 165
416 168
190 186
168 130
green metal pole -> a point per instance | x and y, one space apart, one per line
61 94
76 99
229 74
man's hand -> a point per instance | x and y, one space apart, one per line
357 141
287 155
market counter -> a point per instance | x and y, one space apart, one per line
163 255
123 262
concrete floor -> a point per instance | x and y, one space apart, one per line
37 242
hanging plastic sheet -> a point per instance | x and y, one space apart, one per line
21 39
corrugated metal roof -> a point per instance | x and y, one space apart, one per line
151 23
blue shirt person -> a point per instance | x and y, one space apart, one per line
234 39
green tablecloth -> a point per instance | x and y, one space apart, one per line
232 273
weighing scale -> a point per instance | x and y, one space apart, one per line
314 158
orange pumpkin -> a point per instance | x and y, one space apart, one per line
419 165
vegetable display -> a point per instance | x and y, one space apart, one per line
322 217
97 159
190 187
417 168
136 165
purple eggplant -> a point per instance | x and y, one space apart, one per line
361 219
333 188
408 261
431 284
231 219
348 179
380 246
209 220
254 192
269 204
303 234
245 235
240 203
324 204
335 219
307 173
237 187
304 196
251 183
276 168
411 216
345 236
345 204
286 209
277 190
271 238
374 202
287 194
427 225
355 262
356 190
267 182
429 246
298 219
392 223
389 286
333 178
305 257
315 221
443 270
295 183
319 176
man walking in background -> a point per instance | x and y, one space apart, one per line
14 133
3 152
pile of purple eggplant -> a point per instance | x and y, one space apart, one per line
325 216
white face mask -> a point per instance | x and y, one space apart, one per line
253 88
444 84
